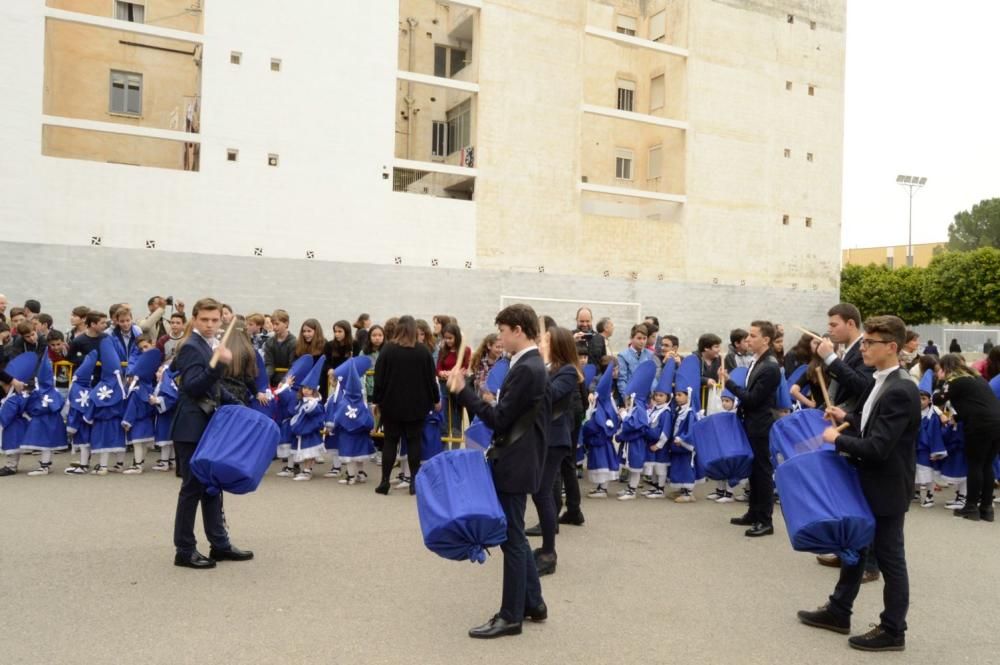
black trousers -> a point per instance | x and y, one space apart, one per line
521 587
981 448
545 502
890 552
192 493
761 481
567 478
394 431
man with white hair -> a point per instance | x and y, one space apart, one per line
3 307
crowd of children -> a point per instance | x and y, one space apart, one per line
643 403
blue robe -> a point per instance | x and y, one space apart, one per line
682 469
105 417
661 424
12 422
46 429
166 396
306 426
598 439
139 418
632 436
954 467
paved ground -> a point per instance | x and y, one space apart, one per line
341 576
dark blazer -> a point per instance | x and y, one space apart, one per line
195 380
597 348
517 468
562 388
853 378
760 396
885 452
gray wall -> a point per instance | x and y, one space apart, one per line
62 277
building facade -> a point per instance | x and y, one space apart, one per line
643 152
893 256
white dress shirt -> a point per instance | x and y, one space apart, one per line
880 377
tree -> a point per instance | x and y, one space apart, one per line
975 229
964 287
875 289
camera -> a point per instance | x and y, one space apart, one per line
169 300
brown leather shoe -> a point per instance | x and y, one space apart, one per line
831 560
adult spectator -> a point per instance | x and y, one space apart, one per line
930 349
798 355
978 411
739 354
710 352
910 352
3 307
584 325
279 351
987 346
954 347
76 321
171 341
405 390
361 327
757 402
27 341
654 342
993 363
153 324
599 344
32 308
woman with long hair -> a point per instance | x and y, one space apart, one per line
978 410
405 390
559 352
336 350
310 340
361 328
451 344
425 336
486 356
239 377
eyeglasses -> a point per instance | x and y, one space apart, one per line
865 343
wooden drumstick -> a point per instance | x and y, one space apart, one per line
822 387
811 334
842 426
225 338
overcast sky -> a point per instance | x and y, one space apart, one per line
921 99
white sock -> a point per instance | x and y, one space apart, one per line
166 452
120 458
352 468
661 480
139 453
336 458
84 455
963 488
404 467
13 459
102 458
47 457
722 486
633 480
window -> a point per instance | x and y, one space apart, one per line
439 138
272 159
788 153
790 18
657 92
126 93
626 25
812 91
809 222
784 220
232 154
626 94
275 64
448 61
658 26
655 161
889 262
132 12
235 57
460 126
788 85
809 156
623 164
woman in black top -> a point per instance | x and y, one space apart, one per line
336 351
559 351
239 378
978 409
405 391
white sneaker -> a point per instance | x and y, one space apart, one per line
626 495
42 470
403 484
119 467
715 495
684 497
655 493
162 465
332 473
597 493
286 472
928 501
303 475
378 458
133 470
362 477
99 471
727 497
957 503
76 470
347 480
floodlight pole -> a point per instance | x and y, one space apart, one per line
913 183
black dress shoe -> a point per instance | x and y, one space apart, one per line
759 529
968 512
744 520
382 488
7 471
193 560
533 530
537 614
576 519
495 627
877 639
824 618
232 554
986 514
545 563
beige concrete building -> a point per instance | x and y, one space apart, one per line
692 140
106 73
893 256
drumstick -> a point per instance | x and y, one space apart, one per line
842 426
822 387
811 334
225 338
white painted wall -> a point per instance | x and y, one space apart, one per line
328 114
